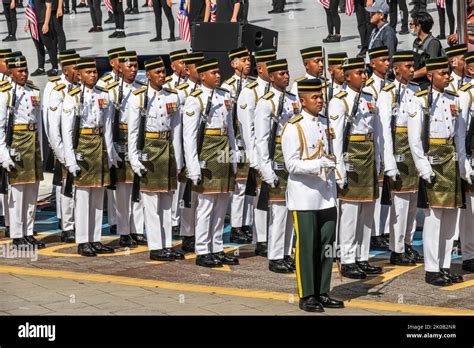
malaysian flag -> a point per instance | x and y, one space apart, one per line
213 11
183 21
31 16
325 3
349 7
108 6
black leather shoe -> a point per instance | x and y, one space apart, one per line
261 249
113 229
311 304
128 10
52 72
175 231
7 231
238 236
100 248
172 39
468 265
404 32
176 254
275 11
352 271
329 302
21 243
32 240
120 35
9 38
400 259
437 279
38 72
91 30
135 10
68 236
367 268
155 39
413 254
290 262
208 260
188 244
378 243
85 249
279 266
455 278
99 30
126 241
161 255
226 259
113 35
140 239
247 232
145 4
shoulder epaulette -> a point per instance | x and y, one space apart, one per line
324 84
269 95
341 94
32 86
5 88
296 118
451 78
111 85
454 93
168 78
223 89
29 82
141 82
302 78
465 87
230 81
60 87
389 87
102 89
74 91
54 78
369 81
139 90
106 77
252 85
3 82
196 93
182 86
253 78
421 93
170 90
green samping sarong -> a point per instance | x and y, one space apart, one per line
26 154
160 164
445 191
124 172
216 168
360 167
406 166
91 157
278 193
243 162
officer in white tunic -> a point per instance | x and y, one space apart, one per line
4 53
160 159
311 196
241 214
394 104
276 108
212 167
20 150
90 161
247 103
436 163
178 66
53 113
130 215
358 161
313 65
337 83
455 56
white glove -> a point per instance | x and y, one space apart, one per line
139 169
196 180
393 174
341 182
328 163
74 169
114 162
468 177
273 180
429 177
8 164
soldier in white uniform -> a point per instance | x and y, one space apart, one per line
4 53
337 83
154 111
53 113
434 149
313 65
241 213
20 150
274 109
210 162
311 196
188 215
394 104
358 162
247 103
380 63
455 56
90 161
130 215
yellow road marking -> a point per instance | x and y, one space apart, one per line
246 293
395 272
458 286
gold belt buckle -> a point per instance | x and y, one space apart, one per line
96 130
31 126
450 141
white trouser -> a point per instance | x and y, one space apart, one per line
22 208
402 220
188 217
158 219
260 223
466 228
89 211
458 224
58 202
280 231
6 213
438 238
210 215
67 212
111 208
242 206
381 214
355 225
175 208
129 214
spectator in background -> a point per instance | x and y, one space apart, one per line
382 34
158 5
394 5
333 22
228 10
278 6
199 10
363 24
443 5
96 16
453 39
57 23
9 9
67 9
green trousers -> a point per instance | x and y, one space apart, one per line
315 233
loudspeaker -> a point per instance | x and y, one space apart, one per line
215 37
224 63
258 38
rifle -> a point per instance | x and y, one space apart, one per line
8 141
264 196
350 119
116 135
235 121
199 141
140 144
75 142
422 201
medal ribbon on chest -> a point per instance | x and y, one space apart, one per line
171 107
34 100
